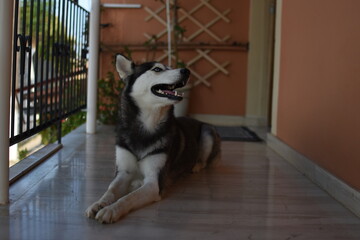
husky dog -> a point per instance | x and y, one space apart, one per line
153 148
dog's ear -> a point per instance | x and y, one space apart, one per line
124 66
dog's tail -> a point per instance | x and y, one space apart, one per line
210 149
211 145
215 154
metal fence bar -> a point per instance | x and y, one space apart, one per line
78 52
43 80
81 46
61 54
57 52
29 67
37 102
22 41
67 56
35 80
46 55
52 61
49 67
79 63
71 30
72 69
14 64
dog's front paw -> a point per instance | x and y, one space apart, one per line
109 214
91 211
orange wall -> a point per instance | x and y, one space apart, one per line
319 88
227 95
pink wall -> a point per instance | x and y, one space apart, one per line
319 88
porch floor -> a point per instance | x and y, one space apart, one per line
253 194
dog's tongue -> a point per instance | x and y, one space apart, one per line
173 93
169 92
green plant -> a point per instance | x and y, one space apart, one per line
72 122
151 46
48 26
108 105
127 52
178 32
49 135
177 35
23 153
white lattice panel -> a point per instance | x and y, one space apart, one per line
202 28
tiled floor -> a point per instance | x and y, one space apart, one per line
253 194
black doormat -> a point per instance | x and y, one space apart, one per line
237 133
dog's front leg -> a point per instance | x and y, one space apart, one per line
126 164
149 192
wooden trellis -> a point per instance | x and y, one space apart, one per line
201 54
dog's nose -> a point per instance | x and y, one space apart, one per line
185 71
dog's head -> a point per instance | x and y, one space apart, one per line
152 83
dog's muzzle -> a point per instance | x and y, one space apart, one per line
168 90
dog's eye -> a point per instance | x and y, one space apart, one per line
157 69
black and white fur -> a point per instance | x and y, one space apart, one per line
153 148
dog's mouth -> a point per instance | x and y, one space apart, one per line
168 90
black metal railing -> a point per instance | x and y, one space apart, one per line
49 65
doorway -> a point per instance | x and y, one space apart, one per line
260 68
